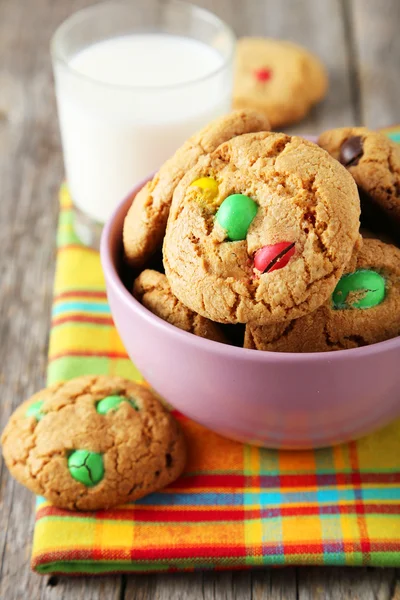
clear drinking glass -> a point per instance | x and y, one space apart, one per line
133 82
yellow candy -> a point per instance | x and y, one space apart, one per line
208 185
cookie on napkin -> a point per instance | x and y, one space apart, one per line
93 442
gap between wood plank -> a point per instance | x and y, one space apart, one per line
353 60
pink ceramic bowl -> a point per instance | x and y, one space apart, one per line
271 399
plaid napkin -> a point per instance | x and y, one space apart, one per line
236 506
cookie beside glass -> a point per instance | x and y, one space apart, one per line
93 442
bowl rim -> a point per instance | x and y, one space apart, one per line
247 354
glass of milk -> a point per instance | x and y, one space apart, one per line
133 81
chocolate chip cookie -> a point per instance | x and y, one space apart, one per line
93 442
145 223
261 230
364 309
279 78
374 162
154 292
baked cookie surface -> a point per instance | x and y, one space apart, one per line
364 309
374 162
93 442
269 237
154 292
145 223
279 78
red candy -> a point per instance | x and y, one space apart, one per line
263 74
276 256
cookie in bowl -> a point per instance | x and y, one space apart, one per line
374 161
364 309
93 442
269 236
145 223
154 292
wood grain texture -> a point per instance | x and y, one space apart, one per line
87 588
377 48
263 584
319 26
357 40
30 172
348 584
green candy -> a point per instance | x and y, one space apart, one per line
113 403
86 467
235 215
35 410
367 286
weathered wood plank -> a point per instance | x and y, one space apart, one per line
83 588
275 584
319 26
377 47
268 584
179 586
348 584
30 172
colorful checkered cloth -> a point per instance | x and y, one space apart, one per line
235 506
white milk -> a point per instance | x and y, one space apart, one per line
126 104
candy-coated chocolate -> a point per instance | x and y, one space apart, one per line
207 184
113 403
35 410
86 467
351 151
263 74
235 215
361 289
273 257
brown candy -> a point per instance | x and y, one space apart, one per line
351 151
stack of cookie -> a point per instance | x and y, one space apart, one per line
263 229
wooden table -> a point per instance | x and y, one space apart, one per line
360 43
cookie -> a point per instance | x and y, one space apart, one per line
271 235
145 223
363 310
154 292
279 78
374 162
93 442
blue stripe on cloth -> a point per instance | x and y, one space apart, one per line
85 307
270 498
395 137
196 499
321 496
